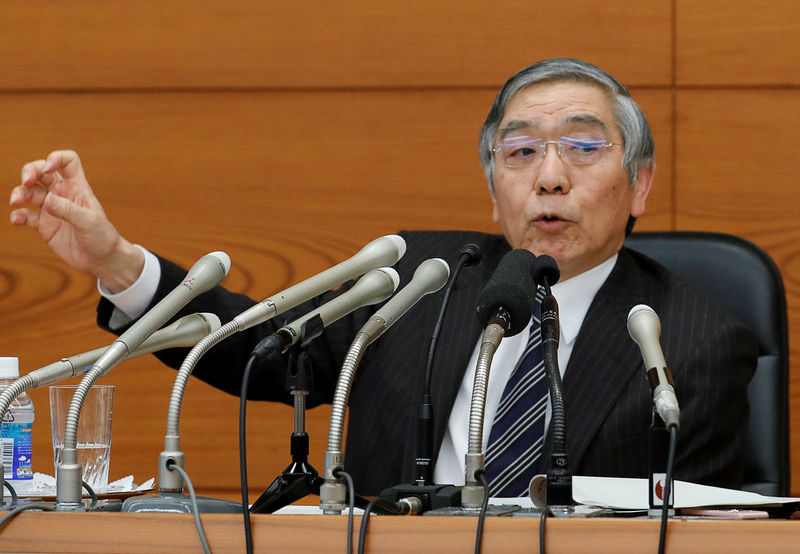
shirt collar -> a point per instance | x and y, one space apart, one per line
575 295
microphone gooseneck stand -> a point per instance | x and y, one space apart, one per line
559 476
504 309
470 255
299 479
431 495
644 327
472 495
430 276
206 273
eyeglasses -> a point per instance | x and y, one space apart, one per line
521 152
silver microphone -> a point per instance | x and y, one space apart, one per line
383 251
205 274
430 276
375 286
186 331
644 328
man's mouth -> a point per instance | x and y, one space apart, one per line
549 222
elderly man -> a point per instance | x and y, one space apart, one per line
570 160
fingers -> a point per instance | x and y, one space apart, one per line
33 174
66 162
59 164
24 195
25 216
62 208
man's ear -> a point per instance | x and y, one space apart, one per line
495 215
641 189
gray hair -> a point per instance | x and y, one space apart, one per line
639 147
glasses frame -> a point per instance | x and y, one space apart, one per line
560 142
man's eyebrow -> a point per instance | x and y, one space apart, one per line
516 125
582 119
585 119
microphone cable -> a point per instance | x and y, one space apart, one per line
13 492
662 536
480 475
404 506
41 507
19 509
351 495
91 492
248 534
542 521
172 466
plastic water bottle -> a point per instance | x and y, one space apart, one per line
15 435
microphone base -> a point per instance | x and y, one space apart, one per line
104 505
297 481
179 503
433 497
493 510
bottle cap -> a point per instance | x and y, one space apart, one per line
9 368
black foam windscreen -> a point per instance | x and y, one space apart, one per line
545 267
471 254
512 288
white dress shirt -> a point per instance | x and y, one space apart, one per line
573 296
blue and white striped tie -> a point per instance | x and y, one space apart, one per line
517 435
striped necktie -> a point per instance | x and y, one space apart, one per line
517 435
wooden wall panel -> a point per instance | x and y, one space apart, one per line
724 42
80 44
738 174
289 134
287 182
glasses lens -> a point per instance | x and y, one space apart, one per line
583 151
519 151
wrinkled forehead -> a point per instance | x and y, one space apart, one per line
560 106
572 124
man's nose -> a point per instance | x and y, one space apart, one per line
552 175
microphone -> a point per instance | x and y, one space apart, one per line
644 328
504 309
430 495
511 289
430 276
559 475
205 274
383 251
375 286
471 254
184 332
545 271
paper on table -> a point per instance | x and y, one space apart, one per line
45 485
631 494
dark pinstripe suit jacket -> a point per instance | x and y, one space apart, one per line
712 357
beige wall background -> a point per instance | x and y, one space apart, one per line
290 133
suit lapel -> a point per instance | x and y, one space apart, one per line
603 360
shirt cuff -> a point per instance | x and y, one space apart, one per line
134 300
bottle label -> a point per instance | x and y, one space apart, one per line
15 449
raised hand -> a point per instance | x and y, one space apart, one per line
55 199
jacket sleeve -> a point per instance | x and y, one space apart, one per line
223 365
